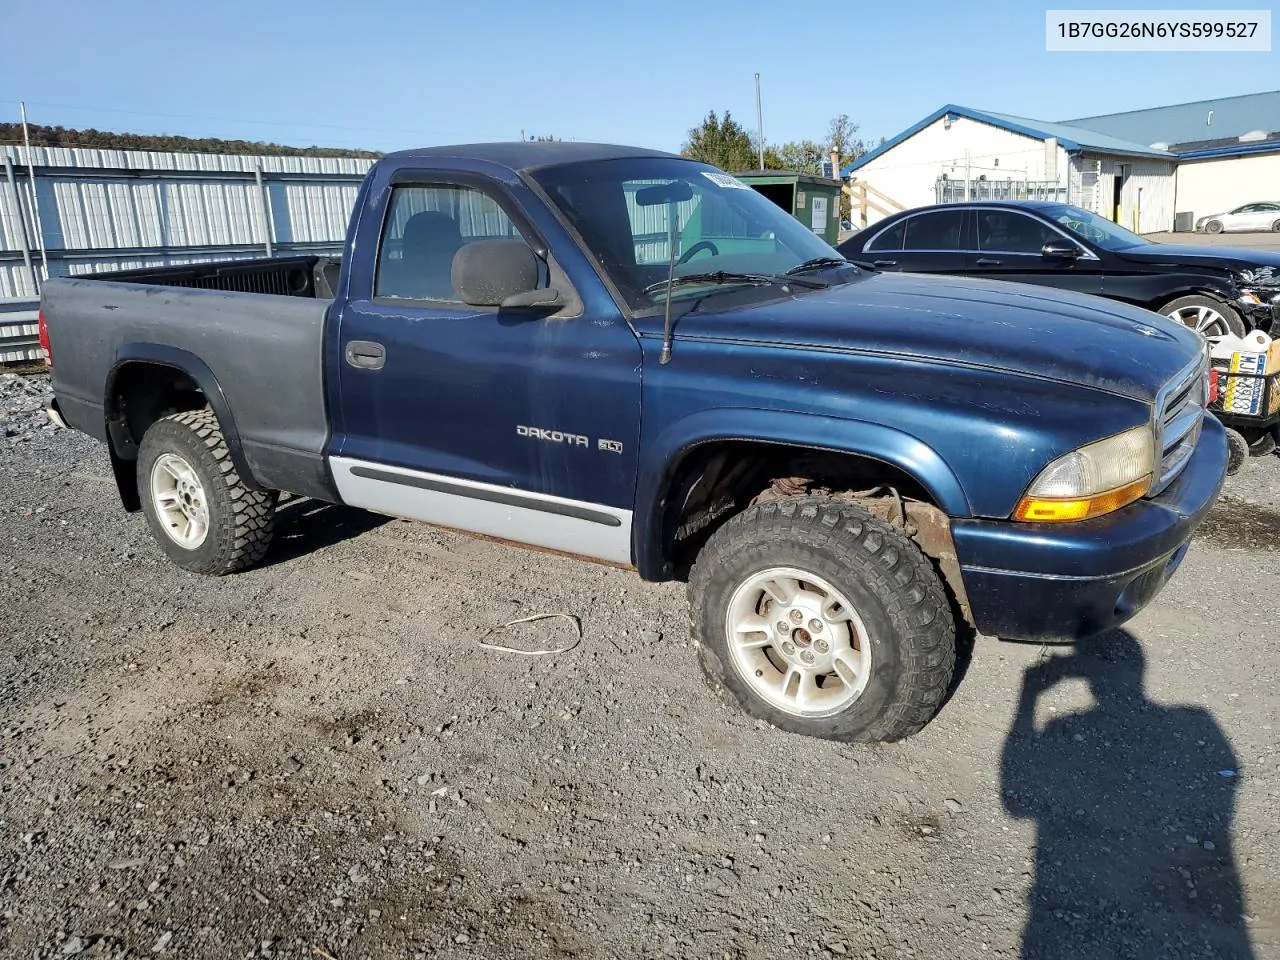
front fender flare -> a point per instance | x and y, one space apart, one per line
863 438
188 363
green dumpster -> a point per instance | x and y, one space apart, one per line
813 200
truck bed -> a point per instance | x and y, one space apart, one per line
295 276
260 352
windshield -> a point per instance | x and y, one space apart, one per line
1097 230
626 211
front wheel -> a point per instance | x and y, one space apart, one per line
1237 451
1210 318
1213 226
200 511
1262 443
823 620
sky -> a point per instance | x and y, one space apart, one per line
393 74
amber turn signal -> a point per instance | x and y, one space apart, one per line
1048 510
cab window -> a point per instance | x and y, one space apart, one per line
426 226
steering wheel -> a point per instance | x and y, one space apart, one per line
700 245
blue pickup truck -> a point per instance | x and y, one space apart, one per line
631 357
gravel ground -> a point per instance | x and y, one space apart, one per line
317 758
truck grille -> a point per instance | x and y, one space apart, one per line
1179 413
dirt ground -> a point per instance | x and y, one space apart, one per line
318 758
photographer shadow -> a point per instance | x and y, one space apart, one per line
1133 803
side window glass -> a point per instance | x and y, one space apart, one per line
1003 231
942 230
890 239
426 226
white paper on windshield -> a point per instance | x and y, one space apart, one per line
726 181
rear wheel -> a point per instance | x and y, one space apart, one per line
823 620
199 509
1209 317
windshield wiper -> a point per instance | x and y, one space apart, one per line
717 278
818 263
724 277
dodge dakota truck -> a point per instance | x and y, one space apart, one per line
632 357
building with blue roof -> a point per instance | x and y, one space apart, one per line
1143 168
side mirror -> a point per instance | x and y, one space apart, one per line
1060 250
500 273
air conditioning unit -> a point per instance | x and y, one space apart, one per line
1184 222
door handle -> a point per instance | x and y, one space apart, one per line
988 262
884 263
365 354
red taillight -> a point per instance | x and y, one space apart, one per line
44 340
1213 385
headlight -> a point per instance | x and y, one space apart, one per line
1096 479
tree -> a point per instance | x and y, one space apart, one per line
721 142
804 156
841 136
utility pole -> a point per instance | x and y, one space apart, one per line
759 122
35 196
522 134
16 200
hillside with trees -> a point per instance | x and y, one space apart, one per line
47 136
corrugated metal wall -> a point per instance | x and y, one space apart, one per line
19 331
118 209
1150 212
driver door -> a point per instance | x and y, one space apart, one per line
510 423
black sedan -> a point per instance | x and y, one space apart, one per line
1215 290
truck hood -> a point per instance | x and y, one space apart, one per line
1028 330
1227 258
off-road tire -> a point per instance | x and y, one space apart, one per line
895 589
1237 451
1261 443
241 521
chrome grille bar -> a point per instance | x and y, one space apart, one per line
1179 413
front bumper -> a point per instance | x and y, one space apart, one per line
1069 581
1261 316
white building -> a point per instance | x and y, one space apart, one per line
1140 167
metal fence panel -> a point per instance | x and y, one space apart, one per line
19 330
958 191
112 209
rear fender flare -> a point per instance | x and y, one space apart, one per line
188 363
861 438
